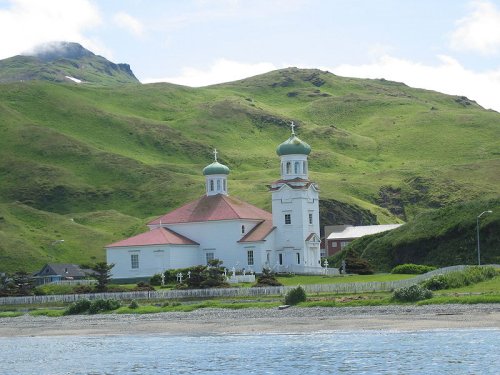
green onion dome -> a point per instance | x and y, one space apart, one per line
293 145
215 168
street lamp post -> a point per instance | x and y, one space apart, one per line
478 244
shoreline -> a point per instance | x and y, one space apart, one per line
255 321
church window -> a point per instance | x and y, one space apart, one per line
250 257
218 185
304 167
288 219
280 259
209 257
224 185
288 167
211 185
298 258
297 167
134 261
310 219
242 229
268 257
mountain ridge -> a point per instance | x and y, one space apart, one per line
110 157
64 62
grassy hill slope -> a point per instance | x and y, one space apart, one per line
384 150
439 237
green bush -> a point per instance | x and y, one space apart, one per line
155 280
101 305
435 283
357 265
469 276
295 295
412 269
133 305
411 294
78 307
267 278
92 307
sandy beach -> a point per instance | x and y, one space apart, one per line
290 320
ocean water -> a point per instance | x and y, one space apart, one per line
457 352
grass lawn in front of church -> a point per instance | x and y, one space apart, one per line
318 279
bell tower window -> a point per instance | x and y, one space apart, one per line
288 167
288 219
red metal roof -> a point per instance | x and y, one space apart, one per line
158 236
211 208
259 232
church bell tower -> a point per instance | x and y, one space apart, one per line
295 208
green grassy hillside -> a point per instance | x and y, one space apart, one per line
441 237
385 151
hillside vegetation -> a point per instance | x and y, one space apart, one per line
438 237
90 163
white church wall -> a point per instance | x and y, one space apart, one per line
219 238
145 261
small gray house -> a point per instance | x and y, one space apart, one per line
54 272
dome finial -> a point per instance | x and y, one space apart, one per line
292 125
215 154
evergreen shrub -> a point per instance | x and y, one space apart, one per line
92 307
435 283
295 295
412 269
469 276
101 305
78 307
155 280
411 294
267 278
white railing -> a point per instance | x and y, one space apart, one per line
74 282
235 292
241 279
306 270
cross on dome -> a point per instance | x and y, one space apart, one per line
292 125
215 154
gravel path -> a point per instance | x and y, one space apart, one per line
220 321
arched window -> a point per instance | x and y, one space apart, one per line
296 167
211 185
224 185
242 229
288 167
304 167
218 185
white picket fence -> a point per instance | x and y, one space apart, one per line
233 292
74 282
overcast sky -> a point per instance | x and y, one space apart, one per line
451 46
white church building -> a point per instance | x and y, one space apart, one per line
219 226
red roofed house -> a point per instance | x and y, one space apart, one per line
226 228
